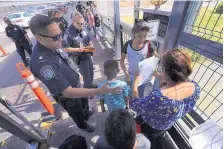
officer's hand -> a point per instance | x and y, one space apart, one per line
80 50
106 89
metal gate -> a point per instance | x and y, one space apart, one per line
201 35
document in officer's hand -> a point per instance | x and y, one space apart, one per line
89 49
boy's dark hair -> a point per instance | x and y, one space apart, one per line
120 129
140 26
111 68
39 24
74 142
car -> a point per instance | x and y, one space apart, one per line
21 19
39 9
45 11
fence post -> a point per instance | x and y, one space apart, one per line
117 31
103 29
175 23
136 12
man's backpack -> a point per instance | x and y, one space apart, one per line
97 21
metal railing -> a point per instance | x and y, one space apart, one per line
201 23
206 55
206 20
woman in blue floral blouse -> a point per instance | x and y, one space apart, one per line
161 108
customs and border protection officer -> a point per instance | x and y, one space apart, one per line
74 38
50 65
19 36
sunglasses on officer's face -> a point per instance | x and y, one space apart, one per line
55 38
80 23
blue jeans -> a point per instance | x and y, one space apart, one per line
141 90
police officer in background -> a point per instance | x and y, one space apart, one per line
19 36
74 38
63 24
50 65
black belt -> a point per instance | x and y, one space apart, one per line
20 40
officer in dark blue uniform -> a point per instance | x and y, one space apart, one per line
19 36
73 37
51 65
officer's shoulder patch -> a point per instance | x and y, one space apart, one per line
47 72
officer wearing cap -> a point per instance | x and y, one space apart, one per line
19 36
50 65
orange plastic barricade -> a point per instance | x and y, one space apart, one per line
3 51
29 78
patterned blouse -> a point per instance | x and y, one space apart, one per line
161 112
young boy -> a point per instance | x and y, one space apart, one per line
118 100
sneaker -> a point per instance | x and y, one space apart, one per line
89 128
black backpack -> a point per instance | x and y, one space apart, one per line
97 21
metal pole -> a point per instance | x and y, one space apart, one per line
103 29
10 107
117 31
8 124
136 12
175 23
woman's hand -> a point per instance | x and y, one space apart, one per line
156 74
136 81
135 87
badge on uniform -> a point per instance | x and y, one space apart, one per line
47 72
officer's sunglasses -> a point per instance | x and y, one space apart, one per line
55 38
80 23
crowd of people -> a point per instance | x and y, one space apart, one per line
61 64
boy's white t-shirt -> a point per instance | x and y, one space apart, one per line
135 56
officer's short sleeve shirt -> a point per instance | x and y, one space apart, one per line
51 69
73 37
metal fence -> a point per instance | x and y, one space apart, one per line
201 37
205 20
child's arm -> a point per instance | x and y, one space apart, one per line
127 102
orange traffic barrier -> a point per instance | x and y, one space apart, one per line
3 51
29 78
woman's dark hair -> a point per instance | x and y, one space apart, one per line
120 129
177 65
74 142
140 26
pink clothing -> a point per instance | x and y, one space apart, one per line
91 20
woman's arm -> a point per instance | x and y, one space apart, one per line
135 87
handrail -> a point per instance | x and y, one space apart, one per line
126 28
